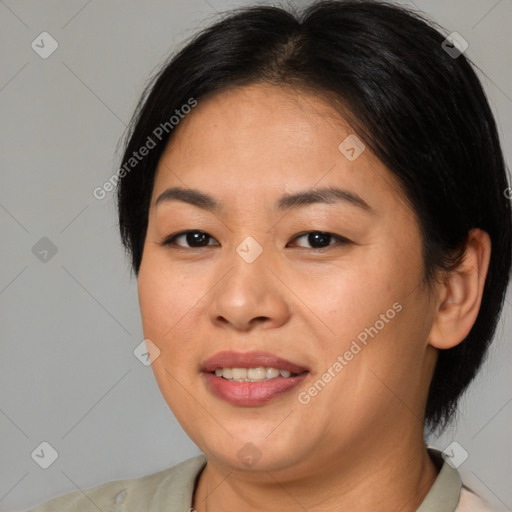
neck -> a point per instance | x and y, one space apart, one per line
397 477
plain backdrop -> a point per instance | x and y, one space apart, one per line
69 311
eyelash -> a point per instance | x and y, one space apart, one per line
170 241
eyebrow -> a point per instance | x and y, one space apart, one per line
327 195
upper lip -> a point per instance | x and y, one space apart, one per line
229 359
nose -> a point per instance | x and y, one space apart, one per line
249 296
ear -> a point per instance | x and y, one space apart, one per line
460 294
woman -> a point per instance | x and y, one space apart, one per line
315 208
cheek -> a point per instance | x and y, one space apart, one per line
167 298
347 297
377 299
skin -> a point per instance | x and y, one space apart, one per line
358 444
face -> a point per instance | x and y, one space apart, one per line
327 287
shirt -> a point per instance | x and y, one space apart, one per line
172 489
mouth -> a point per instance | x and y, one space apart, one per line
251 379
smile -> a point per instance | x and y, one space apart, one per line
250 379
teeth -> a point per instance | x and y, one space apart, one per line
258 374
239 373
271 373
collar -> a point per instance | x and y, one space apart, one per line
444 493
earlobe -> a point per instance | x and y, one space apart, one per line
460 294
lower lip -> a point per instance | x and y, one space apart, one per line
250 394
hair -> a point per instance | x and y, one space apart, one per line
420 110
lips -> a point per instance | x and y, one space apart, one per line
230 359
251 394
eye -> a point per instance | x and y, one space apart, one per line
194 238
197 239
321 239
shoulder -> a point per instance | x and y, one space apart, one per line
150 492
471 502
449 492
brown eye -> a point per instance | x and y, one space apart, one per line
321 239
193 239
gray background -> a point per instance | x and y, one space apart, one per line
69 325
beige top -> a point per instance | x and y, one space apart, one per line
171 490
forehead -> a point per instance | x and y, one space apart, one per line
265 140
